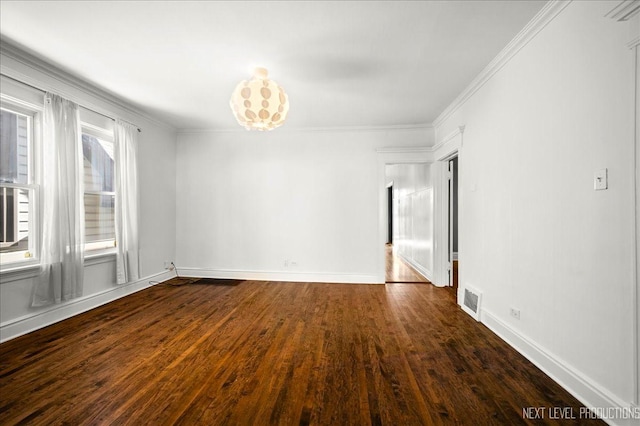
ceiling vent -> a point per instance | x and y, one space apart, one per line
471 302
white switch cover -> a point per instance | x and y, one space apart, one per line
600 179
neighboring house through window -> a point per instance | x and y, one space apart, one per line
99 195
18 192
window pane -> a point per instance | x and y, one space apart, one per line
98 164
99 216
14 147
14 219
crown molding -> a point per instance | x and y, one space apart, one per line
61 80
458 131
404 149
400 127
624 10
542 18
420 149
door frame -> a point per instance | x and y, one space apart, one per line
390 156
390 212
449 147
450 229
445 210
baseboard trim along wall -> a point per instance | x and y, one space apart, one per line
590 394
28 323
419 268
316 277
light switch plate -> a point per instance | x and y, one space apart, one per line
600 180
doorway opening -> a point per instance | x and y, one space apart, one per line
453 222
408 196
390 214
387 158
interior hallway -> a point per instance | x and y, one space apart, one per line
398 271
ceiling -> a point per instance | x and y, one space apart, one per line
349 63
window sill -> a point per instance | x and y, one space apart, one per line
31 270
96 257
19 272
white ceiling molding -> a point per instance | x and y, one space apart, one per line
404 149
624 10
546 15
449 137
59 81
628 11
424 149
285 129
404 155
448 146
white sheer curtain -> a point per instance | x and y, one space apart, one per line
62 245
126 159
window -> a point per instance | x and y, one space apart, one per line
18 193
99 189
20 210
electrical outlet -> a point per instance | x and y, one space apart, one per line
286 263
168 265
515 313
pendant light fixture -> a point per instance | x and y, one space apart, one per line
259 103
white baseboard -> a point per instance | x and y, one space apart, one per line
317 277
419 268
28 323
586 391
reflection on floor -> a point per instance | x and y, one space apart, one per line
455 274
210 353
399 271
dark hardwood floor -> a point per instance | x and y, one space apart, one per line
397 271
272 353
455 275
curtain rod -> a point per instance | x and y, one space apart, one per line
45 91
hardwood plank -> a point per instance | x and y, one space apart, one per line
272 353
398 271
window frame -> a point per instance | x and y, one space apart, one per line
18 98
96 249
34 128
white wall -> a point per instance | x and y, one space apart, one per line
534 235
413 214
249 201
157 174
157 177
636 23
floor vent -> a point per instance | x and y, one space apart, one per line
471 302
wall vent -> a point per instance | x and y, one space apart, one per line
471 302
